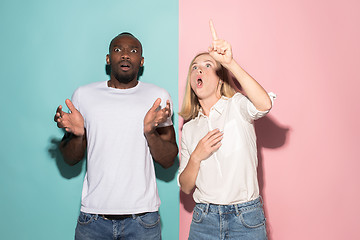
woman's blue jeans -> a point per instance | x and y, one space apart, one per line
241 221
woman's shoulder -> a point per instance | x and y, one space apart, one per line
237 95
190 124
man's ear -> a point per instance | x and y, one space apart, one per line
107 59
142 61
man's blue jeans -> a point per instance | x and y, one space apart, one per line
241 221
94 226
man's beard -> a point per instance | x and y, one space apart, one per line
124 78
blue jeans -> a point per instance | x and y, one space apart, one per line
94 226
240 221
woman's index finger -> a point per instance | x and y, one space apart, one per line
212 29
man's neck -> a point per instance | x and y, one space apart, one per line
113 83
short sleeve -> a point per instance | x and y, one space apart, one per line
164 98
75 99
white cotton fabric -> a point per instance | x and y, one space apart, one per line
228 176
120 177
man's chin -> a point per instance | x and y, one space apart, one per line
125 78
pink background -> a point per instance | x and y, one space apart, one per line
308 53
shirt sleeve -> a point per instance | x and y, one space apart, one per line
185 156
75 99
247 108
164 98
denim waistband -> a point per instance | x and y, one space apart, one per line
236 208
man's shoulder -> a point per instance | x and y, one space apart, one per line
150 89
147 85
92 85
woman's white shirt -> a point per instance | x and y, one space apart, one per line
229 175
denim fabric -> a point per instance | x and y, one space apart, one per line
242 221
94 226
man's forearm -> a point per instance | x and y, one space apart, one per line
163 148
73 148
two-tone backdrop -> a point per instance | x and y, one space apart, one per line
307 52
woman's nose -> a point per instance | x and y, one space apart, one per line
199 70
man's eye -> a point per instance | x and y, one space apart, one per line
117 50
134 50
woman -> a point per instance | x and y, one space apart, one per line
218 156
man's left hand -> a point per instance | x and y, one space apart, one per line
156 116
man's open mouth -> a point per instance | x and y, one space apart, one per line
125 66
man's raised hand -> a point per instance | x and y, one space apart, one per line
72 122
155 116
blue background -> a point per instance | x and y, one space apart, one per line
48 49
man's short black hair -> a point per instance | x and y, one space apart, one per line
121 34
126 33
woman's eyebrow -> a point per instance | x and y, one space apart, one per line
208 61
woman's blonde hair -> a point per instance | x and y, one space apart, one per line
190 105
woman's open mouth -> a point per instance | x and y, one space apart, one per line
199 82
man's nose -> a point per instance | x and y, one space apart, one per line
125 56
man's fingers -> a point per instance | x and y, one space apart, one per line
156 104
60 123
167 108
59 109
57 117
70 105
59 113
212 29
168 104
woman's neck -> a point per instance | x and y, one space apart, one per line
207 104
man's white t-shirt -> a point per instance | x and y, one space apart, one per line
120 177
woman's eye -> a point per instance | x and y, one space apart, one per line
134 50
208 65
194 67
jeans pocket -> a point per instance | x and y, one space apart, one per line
149 220
198 215
86 218
253 218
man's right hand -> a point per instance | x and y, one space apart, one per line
72 122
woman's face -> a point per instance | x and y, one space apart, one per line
203 78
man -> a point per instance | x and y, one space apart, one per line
124 128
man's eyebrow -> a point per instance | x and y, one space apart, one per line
130 46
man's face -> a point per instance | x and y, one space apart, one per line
125 58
